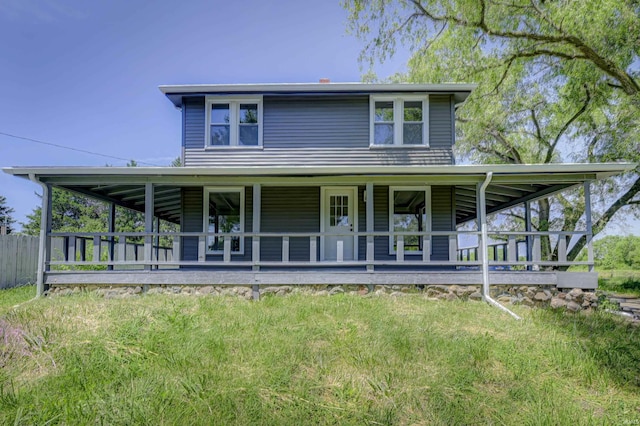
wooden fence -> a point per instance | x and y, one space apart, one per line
18 260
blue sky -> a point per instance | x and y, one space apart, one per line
85 74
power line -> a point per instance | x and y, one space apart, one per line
76 149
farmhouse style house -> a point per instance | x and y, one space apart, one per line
324 183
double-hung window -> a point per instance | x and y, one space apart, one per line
409 211
233 122
399 120
224 214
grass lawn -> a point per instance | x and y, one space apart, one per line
345 359
620 281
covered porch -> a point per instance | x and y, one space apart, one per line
359 247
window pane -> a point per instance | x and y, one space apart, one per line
413 111
408 215
249 113
249 134
219 113
224 217
339 210
384 111
220 135
383 134
412 133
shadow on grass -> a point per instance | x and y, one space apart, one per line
620 284
612 342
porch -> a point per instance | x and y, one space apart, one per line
361 247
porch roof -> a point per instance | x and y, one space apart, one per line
511 184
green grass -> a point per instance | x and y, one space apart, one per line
620 281
302 359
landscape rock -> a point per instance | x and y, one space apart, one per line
336 290
573 307
557 303
475 296
541 296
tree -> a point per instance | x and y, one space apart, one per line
5 215
558 80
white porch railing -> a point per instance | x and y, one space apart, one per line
514 250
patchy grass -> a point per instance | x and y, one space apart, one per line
9 298
311 360
619 281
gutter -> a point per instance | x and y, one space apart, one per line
43 235
486 294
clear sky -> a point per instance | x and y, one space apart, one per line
85 74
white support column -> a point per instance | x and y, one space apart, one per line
482 227
370 226
111 226
257 214
148 222
527 228
588 219
44 250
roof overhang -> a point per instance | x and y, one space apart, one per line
175 93
511 185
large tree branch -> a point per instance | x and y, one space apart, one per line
566 126
622 201
627 82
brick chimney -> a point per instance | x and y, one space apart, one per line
325 81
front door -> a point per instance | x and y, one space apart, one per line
338 223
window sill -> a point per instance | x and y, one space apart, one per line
240 147
398 146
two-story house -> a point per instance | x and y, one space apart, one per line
325 183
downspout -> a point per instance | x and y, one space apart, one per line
482 211
43 235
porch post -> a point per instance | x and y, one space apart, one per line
527 228
587 216
370 226
257 213
111 227
255 241
44 249
148 224
157 241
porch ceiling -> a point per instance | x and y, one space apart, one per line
511 184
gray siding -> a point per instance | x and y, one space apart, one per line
193 126
192 214
289 209
319 132
336 122
441 220
440 125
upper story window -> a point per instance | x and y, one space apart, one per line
233 122
399 121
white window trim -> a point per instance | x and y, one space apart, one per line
234 120
427 212
398 119
205 211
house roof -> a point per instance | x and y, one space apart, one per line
511 185
175 93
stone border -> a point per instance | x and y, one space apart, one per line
573 300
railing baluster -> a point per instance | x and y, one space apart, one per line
226 256
96 249
400 249
285 249
175 252
122 248
313 250
370 252
537 249
512 251
453 248
72 249
562 248
339 251
83 249
202 248
426 248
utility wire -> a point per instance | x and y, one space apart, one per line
76 149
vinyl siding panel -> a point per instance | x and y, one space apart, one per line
192 213
441 220
194 124
289 209
440 125
336 122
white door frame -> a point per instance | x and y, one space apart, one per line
323 218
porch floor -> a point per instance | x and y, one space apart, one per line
584 280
